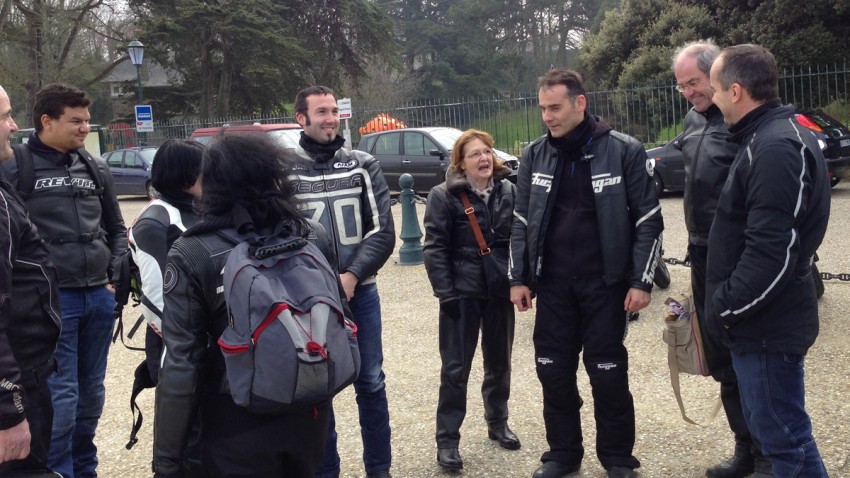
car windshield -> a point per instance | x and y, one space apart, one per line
446 137
148 154
288 138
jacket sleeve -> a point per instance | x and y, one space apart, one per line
11 390
185 335
645 213
775 199
518 267
151 240
111 219
438 244
378 240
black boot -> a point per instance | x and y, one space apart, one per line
741 464
504 436
554 469
449 459
763 468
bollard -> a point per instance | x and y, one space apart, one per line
410 252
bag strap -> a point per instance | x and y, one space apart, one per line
673 364
483 250
26 170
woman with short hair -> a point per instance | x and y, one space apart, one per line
470 279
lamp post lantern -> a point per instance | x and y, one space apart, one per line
136 50
137 55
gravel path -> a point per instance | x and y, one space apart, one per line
666 445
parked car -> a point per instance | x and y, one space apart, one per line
131 170
833 138
669 166
286 134
424 153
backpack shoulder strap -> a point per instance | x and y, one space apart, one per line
94 170
26 170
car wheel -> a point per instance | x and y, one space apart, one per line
662 275
150 190
833 181
659 183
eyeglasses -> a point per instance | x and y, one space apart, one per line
681 87
477 154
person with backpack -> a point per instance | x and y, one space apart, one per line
245 191
70 198
174 175
29 327
467 230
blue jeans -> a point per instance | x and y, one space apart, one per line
369 388
77 388
773 395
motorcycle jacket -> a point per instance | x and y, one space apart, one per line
29 308
627 209
451 252
770 220
347 194
707 151
77 216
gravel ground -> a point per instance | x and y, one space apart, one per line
666 445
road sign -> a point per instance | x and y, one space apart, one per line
144 119
344 105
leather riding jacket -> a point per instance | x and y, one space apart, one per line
627 209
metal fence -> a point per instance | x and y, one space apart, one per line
651 113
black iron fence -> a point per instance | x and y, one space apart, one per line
651 113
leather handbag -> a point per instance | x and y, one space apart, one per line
495 259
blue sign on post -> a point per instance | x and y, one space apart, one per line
144 119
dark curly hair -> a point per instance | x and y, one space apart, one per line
249 173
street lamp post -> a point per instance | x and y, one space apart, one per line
137 54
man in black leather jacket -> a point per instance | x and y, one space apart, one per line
29 326
74 207
708 152
345 191
586 238
771 217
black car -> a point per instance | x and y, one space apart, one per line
668 165
131 170
424 153
833 138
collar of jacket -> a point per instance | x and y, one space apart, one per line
318 151
456 181
181 200
752 120
39 148
711 112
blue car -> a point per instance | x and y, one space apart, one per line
131 170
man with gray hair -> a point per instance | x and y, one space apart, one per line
29 326
771 217
707 154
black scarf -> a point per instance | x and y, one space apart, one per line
321 151
576 138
